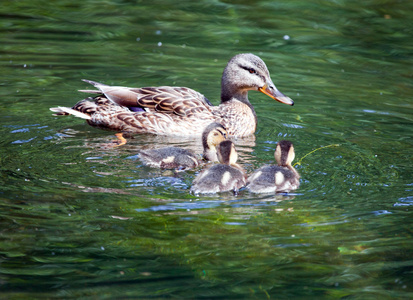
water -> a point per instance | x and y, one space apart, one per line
80 219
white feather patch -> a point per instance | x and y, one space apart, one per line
71 111
254 176
169 159
202 175
279 178
226 178
195 161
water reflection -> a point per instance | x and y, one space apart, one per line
248 205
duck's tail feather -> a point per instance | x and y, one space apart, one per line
61 110
94 83
90 91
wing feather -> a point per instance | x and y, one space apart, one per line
181 101
176 100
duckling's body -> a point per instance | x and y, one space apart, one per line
280 178
181 111
169 158
226 176
178 158
271 179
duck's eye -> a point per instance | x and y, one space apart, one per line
252 71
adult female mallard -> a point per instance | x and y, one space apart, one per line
222 177
180 111
178 158
280 178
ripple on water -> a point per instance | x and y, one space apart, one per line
181 206
404 201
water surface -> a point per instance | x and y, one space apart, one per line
80 219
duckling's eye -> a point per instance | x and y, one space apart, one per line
220 133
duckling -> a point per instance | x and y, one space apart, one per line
226 176
281 178
178 158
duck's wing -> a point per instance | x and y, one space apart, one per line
181 101
178 100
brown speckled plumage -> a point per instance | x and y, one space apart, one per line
179 110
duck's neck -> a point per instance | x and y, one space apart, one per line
228 94
232 96
237 104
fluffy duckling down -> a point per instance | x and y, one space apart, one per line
182 159
280 178
225 176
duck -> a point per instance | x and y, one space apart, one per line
182 159
276 178
180 111
222 177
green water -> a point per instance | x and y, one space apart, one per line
81 220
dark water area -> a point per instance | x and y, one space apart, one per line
80 219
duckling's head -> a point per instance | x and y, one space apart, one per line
245 72
213 134
226 153
284 153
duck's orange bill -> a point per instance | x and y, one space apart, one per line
275 94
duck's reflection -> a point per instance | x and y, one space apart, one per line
245 146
